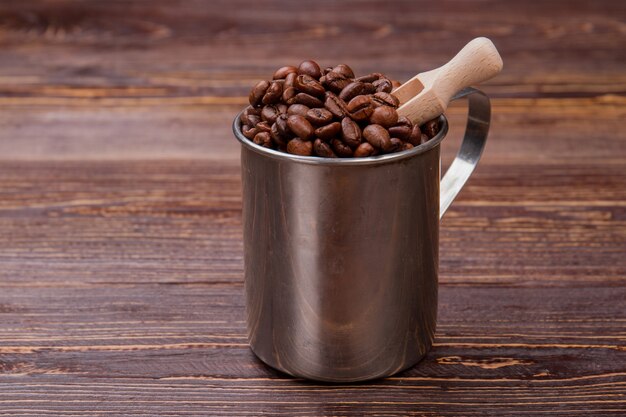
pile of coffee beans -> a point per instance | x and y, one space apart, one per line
310 111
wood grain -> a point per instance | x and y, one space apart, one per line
121 288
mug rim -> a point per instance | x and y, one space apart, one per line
320 160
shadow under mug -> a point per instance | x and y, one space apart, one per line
341 255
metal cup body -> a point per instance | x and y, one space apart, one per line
341 260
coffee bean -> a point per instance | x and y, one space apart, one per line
364 150
406 146
396 145
383 85
273 93
282 108
243 117
290 80
395 84
310 68
415 138
321 148
402 128
370 78
283 127
252 120
385 99
264 139
263 127
341 149
329 131
249 131
350 132
344 70
336 82
309 85
326 70
424 138
352 90
360 108
300 127
431 128
300 109
368 88
319 116
297 146
289 95
270 113
377 136
335 105
277 138
282 72
307 100
385 116
257 93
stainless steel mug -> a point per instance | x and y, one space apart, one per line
341 255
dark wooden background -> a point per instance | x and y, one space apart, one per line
121 287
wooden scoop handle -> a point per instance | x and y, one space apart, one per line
478 61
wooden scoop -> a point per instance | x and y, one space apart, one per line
428 94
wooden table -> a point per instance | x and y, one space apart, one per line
121 289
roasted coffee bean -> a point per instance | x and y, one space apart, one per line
277 137
300 127
424 138
385 116
263 127
243 117
289 95
282 127
395 84
308 100
415 138
329 131
309 85
300 109
341 149
396 145
257 93
431 128
368 88
326 70
402 129
344 70
282 72
336 82
377 136
350 132
360 108
321 148
352 90
249 131
310 68
251 120
406 146
335 105
364 150
370 78
270 113
282 108
273 93
385 99
383 85
301 147
264 139
319 116
290 80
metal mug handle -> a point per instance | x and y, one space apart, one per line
472 146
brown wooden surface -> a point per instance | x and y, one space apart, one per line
121 288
